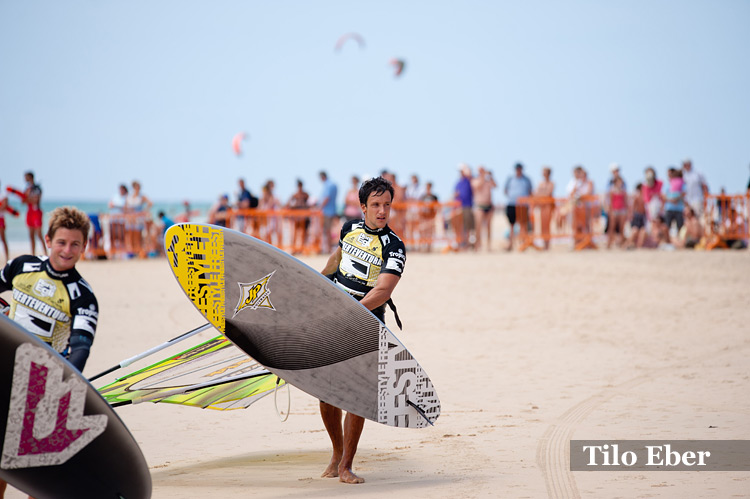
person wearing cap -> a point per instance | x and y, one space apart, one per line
464 194
517 186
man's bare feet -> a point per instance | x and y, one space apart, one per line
346 475
332 471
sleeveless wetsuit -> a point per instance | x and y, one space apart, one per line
58 307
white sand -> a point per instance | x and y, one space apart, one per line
527 351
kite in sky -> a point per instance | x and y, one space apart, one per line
237 143
398 64
349 36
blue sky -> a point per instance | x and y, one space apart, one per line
94 93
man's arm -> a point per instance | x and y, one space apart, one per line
381 293
80 346
333 262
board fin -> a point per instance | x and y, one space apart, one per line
420 411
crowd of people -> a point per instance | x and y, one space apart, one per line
264 220
671 214
654 213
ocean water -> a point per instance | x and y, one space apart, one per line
17 233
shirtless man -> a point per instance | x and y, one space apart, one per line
482 186
373 289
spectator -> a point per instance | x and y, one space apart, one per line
545 192
327 205
352 208
696 188
32 196
245 201
138 218
219 213
674 200
617 212
465 196
427 216
413 193
652 194
299 201
117 207
637 218
517 186
692 232
482 186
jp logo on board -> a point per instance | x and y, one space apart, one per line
255 295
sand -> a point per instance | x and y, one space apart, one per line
527 351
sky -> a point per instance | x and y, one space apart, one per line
99 92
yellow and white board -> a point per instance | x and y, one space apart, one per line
300 325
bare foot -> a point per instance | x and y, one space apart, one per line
332 471
346 475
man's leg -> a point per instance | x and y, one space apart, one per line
332 420
353 425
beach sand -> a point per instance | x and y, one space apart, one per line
526 350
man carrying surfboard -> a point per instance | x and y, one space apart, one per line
50 298
368 264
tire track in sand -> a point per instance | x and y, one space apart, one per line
553 449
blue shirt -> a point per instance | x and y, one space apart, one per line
517 187
329 193
674 199
464 192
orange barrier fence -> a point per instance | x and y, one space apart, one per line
422 226
294 231
545 218
116 235
726 221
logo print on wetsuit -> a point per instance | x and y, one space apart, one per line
45 289
255 295
46 425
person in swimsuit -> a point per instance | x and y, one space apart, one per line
351 201
32 196
368 264
544 194
637 218
617 212
482 186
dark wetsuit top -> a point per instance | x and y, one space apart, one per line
58 307
365 254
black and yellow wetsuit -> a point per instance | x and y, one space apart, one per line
58 307
365 254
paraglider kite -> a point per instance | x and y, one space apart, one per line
398 64
237 143
349 36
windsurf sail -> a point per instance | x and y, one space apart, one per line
212 375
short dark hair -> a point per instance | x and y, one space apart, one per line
375 185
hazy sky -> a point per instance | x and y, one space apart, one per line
94 93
